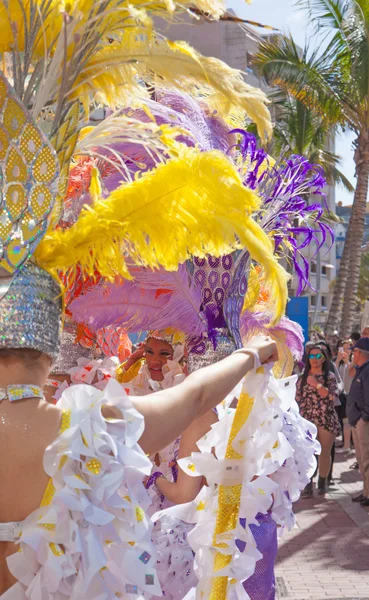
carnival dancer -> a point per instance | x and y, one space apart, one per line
216 286
77 511
154 366
68 523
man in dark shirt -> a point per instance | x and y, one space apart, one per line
358 413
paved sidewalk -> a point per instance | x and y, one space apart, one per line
327 555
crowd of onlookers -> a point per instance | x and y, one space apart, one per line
333 393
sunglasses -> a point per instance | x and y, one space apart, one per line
315 356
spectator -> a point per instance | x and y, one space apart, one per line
337 403
343 364
355 336
317 391
358 414
365 332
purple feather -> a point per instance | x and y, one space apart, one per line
256 323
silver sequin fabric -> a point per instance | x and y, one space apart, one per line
224 347
70 350
30 312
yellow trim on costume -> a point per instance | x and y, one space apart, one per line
50 490
229 502
124 376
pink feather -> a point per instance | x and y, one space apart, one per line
256 323
153 300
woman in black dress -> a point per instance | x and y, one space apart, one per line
317 390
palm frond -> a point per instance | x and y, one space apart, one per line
300 131
317 80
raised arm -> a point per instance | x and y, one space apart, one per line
168 413
187 487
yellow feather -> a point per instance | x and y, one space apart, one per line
192 205
114 74
95 186
253 289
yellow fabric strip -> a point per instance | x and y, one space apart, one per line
229 502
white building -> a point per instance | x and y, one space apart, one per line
236 45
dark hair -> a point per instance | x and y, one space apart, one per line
328 350
355 336
26 355
338 346
326 364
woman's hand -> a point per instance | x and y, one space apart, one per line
342 356
265 347
312 381
135 356
139 353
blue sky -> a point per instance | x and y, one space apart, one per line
283 15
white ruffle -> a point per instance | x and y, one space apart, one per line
276 449
175 559
174 554
142 384
96 372
93 541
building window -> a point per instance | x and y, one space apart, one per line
313 300
324 301
324 270
249 59
313 267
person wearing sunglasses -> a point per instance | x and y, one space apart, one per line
358 414
316 394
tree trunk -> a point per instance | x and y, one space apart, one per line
335 311
355 234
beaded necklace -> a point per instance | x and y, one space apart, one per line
21 391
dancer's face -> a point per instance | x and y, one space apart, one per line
157 355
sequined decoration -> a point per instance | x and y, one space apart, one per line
29 174
50 490
261 585
223 282
228 502
31 312
48 494
233 303
210 355
64 141
70 350
66 421
21 392
145 557
94 466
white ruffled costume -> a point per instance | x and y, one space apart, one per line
143 384
277 448
91 537
174 555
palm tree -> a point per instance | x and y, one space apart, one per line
334 84
363 289
299 130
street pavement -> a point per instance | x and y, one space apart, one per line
327 555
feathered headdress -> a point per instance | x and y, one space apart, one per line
284 187
64 58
